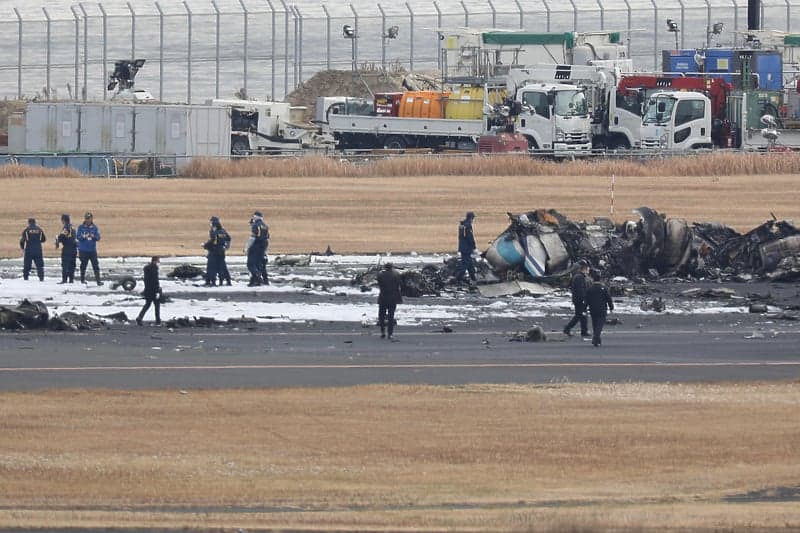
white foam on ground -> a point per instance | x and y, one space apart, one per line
265 303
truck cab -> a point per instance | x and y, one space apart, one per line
554 117
677 120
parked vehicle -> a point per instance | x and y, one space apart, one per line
258 126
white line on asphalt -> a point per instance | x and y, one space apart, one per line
401 366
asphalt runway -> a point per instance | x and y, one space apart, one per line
660 348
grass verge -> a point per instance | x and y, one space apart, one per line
478 457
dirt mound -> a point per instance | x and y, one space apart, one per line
361 84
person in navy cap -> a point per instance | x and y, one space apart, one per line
218 241
31 243
88 235
68 240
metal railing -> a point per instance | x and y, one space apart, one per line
265 48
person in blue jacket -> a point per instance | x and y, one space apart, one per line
31 243
68 240
466 245
88 235
256 250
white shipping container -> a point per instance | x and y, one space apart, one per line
126 129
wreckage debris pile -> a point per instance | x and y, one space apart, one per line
543 245
34 315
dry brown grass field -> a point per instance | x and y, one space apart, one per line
366 214
478 458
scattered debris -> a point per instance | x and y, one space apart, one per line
128 283
514 288
25 315
187 271
656 304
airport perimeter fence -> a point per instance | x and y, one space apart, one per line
200 49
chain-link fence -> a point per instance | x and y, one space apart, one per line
264 48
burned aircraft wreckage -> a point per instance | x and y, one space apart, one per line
543 245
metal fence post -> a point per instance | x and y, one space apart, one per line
285 49
410 36
75 16
47 87
547 10
655 34
160 51
602 15
19 54
466 13
327 36
788 17
216 47
245 46
383 39
299 45
494 13
272 50
105 49
521 15
438 25
574 15
188 52
85 90
355 39
133 31
628 5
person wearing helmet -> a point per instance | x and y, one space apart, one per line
466 246
578 286
68 240
31 243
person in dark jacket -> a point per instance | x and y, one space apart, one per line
218 241
598 299
68 240
31 243
578 287
256 250
152 291
88 235
388 298
466 246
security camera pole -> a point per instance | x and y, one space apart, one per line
672 27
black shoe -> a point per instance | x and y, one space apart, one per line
99 283
62 282
584 334
567 332
228 283
158 322
391 337
383 335
139 321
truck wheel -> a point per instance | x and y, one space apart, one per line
240 147
532 144
395 142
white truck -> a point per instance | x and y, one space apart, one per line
271 127
552 116
677 120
